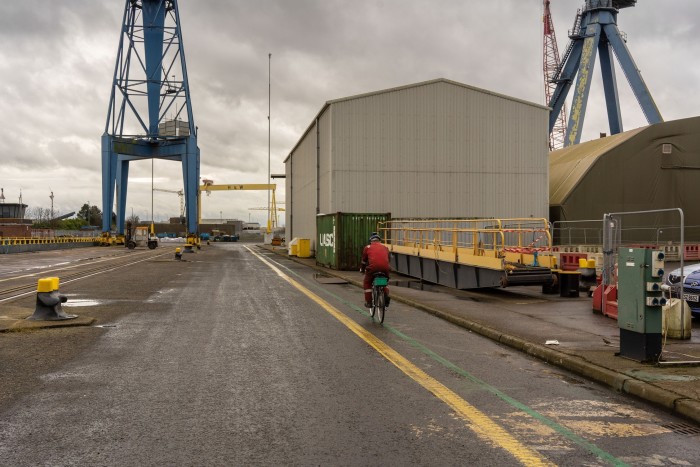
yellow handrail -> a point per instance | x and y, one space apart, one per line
45 241
511 239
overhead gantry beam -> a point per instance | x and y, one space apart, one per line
272 211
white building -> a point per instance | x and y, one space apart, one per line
432 149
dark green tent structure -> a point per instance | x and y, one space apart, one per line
649 168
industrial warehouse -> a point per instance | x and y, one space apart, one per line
437 149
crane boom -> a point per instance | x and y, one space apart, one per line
263 209
550 65
180 193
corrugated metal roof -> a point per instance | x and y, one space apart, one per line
569 165
433 81
407 86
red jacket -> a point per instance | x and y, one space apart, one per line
375 258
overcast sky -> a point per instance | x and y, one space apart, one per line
57 62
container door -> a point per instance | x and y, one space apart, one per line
352 235
326 241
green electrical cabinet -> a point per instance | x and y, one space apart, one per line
639 301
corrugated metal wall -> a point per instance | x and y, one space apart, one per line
436 149
325 160
440 150
300 170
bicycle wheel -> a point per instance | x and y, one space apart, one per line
373 308
381 307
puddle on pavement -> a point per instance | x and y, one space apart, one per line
79 302
416 284
651 377
411 284
328 279
165 295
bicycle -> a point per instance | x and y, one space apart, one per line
379 281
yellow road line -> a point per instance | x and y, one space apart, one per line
479 422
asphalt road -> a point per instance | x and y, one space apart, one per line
225 360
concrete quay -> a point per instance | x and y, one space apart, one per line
586 343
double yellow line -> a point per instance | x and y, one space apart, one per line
478 422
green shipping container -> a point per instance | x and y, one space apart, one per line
340 238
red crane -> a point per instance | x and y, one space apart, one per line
550 64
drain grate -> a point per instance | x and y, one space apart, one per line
683 428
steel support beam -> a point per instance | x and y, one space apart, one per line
612 98
597 31
149 58
639 87
583 85
564 82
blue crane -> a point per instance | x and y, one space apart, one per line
150 112
595 30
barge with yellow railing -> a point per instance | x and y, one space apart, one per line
472 253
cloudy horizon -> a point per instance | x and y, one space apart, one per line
57 63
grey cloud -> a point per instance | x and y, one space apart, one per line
57 60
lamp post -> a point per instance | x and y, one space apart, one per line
269 107
52 216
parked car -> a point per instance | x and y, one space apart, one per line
691 286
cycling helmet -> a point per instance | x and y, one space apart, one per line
375 236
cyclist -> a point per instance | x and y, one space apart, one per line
375 258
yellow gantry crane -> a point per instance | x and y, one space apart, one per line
208 186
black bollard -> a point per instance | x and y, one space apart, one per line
48 301
588 280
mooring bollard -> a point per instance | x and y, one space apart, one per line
178 254
48 301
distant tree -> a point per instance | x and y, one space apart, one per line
84 212
95 216
91 214
71 224
41 217
30 213
134 220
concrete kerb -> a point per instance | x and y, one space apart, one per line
21 325
688 408
622 383
654 394
13 319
